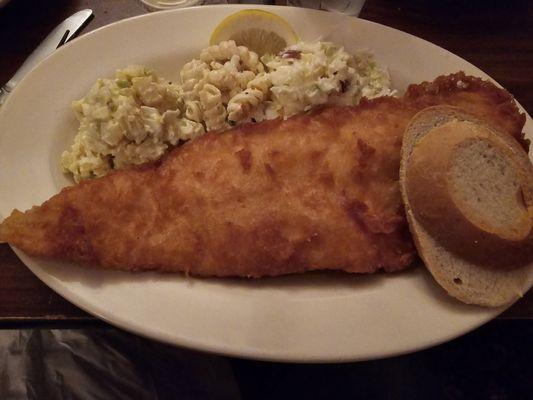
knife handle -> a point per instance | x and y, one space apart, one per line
33 59
62 33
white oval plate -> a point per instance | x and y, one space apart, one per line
307 318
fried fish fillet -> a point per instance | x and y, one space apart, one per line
317 191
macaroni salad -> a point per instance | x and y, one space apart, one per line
137 116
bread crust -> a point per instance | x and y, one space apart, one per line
441 211
464 279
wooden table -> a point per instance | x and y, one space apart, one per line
497 37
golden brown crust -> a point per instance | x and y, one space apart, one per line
260 200
475 95
318 191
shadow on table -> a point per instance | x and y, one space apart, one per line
105 363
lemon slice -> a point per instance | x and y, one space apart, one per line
260 31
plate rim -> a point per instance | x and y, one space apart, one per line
229 351
259 354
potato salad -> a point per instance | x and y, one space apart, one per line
137 116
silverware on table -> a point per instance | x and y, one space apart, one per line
65 31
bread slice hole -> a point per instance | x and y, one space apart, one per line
457 281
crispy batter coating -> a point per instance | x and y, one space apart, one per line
317 191
480 98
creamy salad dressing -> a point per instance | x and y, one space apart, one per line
137 116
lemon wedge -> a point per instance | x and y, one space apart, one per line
261 31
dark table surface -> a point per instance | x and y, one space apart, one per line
493 362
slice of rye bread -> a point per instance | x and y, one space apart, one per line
471 188
468 195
